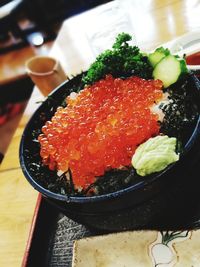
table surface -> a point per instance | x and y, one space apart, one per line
154 22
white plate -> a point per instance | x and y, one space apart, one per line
187 44
139 249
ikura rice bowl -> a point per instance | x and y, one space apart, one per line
101 127
99 134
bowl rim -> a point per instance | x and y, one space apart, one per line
188 44
89 199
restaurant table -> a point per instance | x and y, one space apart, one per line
154 22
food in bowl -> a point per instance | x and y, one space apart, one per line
100 128
126 197
90 141
155 155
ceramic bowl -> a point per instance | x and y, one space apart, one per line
139 205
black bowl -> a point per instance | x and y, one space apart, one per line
148 203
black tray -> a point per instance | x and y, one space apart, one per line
51 240
51 243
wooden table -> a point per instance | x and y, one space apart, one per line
154 22
12 64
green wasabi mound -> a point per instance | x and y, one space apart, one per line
155 155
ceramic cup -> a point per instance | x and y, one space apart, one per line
46 72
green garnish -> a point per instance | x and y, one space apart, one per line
167 67
122 60
157 55
155 155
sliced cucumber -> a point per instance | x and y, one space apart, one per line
169 69
157 55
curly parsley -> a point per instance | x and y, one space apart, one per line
122 60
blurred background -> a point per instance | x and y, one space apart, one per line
27 28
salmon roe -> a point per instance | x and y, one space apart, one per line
100 127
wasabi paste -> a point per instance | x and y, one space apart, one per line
155 155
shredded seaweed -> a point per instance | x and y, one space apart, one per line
182 112
112 181
179 121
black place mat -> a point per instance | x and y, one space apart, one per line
61 244
54 234
53 238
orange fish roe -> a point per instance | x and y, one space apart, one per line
100 127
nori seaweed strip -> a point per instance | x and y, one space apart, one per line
66 185
71 182
182 112
111 181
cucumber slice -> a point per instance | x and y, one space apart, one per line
169 69
157 55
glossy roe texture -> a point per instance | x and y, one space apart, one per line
100 127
